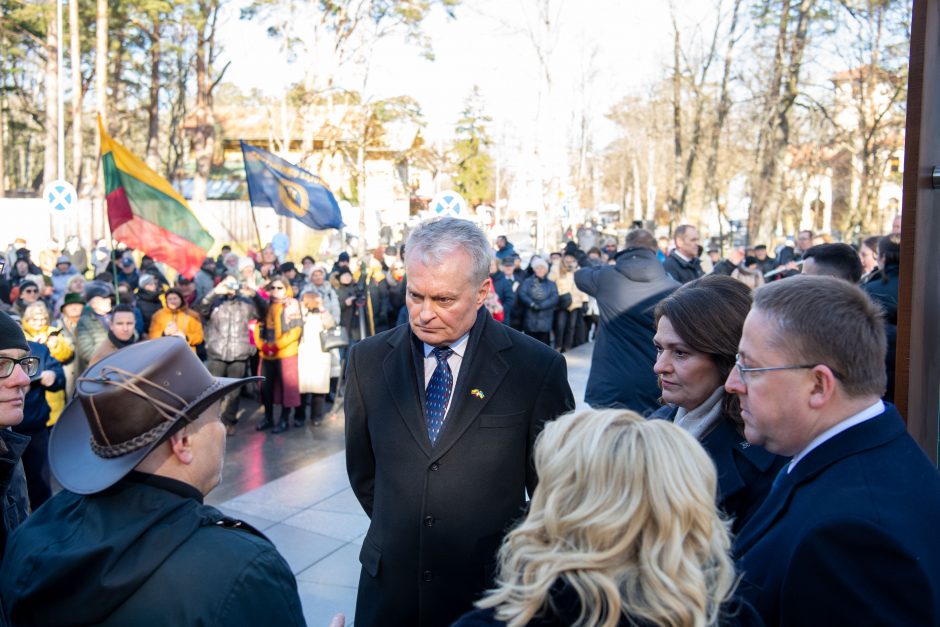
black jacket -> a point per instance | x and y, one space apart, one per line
883 289
148 303
681 270
622 364
12 484
36 409
438 513
745 471
143 552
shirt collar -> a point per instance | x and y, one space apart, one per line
458 347
866 414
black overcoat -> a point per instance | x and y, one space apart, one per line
438 513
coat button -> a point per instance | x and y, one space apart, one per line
429 521
427 575
435 466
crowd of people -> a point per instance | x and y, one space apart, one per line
741 462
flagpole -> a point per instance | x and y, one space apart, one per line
107 222
254 218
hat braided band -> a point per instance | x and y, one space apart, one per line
131 382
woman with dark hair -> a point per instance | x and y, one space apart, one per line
868 254
698 328
882 287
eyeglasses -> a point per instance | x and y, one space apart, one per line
29 364
743 370
30 290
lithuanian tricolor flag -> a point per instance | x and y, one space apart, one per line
147 214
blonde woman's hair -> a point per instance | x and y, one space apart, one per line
624 513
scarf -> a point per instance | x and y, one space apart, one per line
119 344
700 421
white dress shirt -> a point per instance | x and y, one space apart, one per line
454 361
866 414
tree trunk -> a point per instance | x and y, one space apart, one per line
204 133
153 110
101 76
676 126
76 63
52 99
3 145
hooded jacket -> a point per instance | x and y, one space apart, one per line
622 366
144 552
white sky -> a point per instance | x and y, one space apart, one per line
486 45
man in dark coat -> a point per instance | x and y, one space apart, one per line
847 535
441 418
136 451
683 263
14 384
627 292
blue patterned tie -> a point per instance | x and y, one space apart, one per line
438 393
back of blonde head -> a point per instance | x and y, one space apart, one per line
625 514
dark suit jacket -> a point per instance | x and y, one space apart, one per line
745 471
439 513
850 536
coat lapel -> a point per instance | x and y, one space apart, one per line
402 381
864 436
482 369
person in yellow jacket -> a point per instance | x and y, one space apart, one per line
37 329
278 341
176 319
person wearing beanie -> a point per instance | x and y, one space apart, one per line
29 292
16 364
176 318
204 279
148 298
95 321
342 261
63 271
297 280
72 307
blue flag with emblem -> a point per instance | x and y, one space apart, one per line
289 190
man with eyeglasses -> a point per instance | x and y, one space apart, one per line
16 366
847 534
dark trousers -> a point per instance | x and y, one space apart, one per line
36 466
565 324
313 404
542 336
230 402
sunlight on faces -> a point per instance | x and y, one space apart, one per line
775 404
173 301
443 300
687 377
13 390
122 325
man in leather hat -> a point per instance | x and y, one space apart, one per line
129 540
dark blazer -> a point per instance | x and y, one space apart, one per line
850 536
745 471
439 513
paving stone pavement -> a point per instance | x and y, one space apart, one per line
316 522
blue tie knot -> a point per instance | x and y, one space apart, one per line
442 354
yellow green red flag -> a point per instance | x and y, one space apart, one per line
146 213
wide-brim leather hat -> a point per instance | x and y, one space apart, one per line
126 405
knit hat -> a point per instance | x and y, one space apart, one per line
245 262
11 335
343 256
63 259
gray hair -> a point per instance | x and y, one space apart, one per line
538 262
435 240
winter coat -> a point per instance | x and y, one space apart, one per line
226 331
539 297
883 289
204 281
622 365
12 485
186 321
62 349
328 298
313 364
90 332
282 326
507 251
148 303
506 290
36 409
145 552
60 282
565 284
681 270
